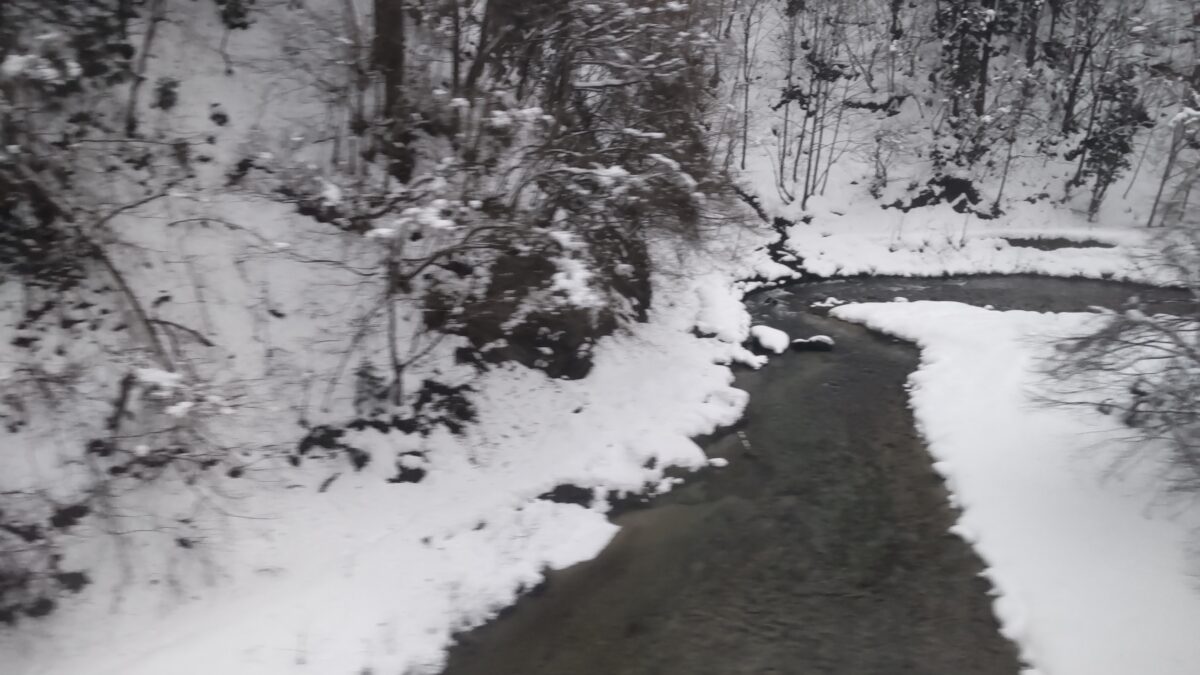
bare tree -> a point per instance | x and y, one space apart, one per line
1144 367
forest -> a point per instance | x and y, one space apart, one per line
254 252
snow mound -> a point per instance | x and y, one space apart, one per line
721 311
816 343
830 301
771 339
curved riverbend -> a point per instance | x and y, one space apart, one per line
821 548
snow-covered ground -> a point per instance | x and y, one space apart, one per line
364 574
842 229
1093 576
861 238
1093 573
322 568
342 571
846 232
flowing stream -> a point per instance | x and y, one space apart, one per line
821 548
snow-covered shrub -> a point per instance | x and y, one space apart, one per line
32 575
478 193
511 205
70 162
1105 153
72 155
51 61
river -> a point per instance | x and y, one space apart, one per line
821 548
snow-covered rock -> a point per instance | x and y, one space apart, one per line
771 339
816 343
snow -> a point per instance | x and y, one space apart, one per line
819 343
771 339
572 280
321 568
159 378
180 409
609 176
1185 116
14 64
331 194
827 302
341 571
721 313
936 240
1093 576
748 358
38 68
638 133
664 160
843 230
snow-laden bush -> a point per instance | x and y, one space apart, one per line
498 210
513 198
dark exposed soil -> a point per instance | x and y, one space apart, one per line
1055 243
821 548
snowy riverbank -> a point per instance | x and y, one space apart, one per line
1093 575
324 574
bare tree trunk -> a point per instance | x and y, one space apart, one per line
1093 115
1055 12
357 72
1084 55
1031 18
790 47
1068 123
456 47
799 148
837 128
390 45
1176 144
139 77
985 61
1012 139
746 24
481 50
894 30
814 148
808 116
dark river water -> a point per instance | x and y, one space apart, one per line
821 548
